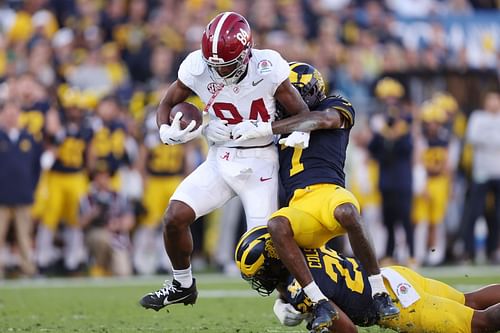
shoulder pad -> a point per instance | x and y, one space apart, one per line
342 105
193 63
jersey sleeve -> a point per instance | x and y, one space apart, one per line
191 67
345 108
281 70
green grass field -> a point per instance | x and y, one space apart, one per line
111 305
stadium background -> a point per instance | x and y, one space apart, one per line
437 59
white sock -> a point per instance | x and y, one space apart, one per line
377 284
184 276
313 292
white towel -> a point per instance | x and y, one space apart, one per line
404 291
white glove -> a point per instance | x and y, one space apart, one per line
172 135
286 313
217 131
47 160
251 129
296 140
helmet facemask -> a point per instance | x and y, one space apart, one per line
310 92
240 65
268 277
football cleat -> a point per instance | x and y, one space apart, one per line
385 307
323 316
170 294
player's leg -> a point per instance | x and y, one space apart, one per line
300 225
290 254
482 298
487 320
347 214
75 187
45 251
200 193
254 178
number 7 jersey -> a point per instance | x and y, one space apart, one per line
323 161
250 99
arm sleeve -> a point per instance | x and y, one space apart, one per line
345 108
281 71
186 70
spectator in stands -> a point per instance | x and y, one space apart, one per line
392 147
484 135
19 156
107 220
69 138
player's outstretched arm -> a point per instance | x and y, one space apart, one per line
340 114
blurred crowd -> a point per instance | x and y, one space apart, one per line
84 179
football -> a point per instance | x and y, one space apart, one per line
189 113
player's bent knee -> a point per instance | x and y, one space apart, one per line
178 215
279 226
347 214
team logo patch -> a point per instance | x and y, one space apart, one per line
213 87
264 66
403 288
25 145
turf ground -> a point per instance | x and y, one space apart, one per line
111 305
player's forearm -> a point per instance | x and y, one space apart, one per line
307 122
162 113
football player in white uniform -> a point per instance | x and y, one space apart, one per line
239 85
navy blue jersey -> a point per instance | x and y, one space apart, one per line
341 279
323 161
71 150
19 166
109 144
32 118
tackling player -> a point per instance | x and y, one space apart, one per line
237 83
426 305
319 208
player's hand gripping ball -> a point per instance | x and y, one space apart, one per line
189 113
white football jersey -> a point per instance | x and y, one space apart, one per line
251 99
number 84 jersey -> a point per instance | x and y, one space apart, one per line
252 98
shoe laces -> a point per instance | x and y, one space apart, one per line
167 289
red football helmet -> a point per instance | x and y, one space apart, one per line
226 45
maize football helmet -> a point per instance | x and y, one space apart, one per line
226 46
309 82
258 261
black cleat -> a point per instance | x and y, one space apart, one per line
170 294
323 316
385 308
